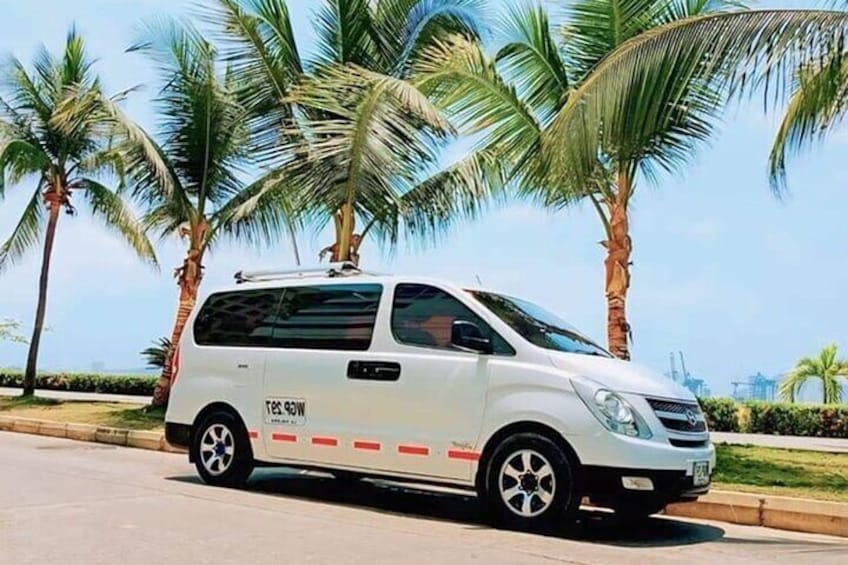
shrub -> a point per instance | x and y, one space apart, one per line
797 419
81 382
722 414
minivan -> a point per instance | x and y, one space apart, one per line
405 378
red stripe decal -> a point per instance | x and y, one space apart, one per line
413 450
328 441
464 455
367 445
253 435
284 437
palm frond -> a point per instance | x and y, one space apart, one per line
405 27
26 232
458 193
260 49
346 34
19 158
680 66
531 60
458 76
817 106
117 216
264 211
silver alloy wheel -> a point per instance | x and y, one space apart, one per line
527 483
217 448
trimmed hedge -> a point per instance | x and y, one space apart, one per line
722 414
81 382
776 418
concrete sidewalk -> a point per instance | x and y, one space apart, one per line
829 445
67 395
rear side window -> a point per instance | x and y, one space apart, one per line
339 317
423 316
237 319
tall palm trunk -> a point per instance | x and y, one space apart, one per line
41 309
188 279
619 248
346 232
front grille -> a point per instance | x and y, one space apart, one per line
680 417
684 425
672 406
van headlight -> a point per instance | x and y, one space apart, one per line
613 411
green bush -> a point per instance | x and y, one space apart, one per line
722 414
797 419
776 418
81 382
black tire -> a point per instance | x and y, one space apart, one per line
232 471
566 493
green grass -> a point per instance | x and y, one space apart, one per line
784 472
116 415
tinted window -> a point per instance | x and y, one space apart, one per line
424 315
241 318
337 317
539 326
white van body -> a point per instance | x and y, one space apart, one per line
399 408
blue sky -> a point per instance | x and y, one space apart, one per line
722 270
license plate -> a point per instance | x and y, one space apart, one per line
701 473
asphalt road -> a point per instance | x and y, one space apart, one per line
71 502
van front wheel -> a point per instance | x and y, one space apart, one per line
530 482
221 451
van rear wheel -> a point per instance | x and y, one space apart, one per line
221 451
530 482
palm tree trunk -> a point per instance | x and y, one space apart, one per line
346 232
189 276
619 248
41 309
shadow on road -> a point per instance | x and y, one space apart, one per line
455 506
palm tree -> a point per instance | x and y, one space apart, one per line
632 91
157 354
348 136
56 126
518 98
9 331
826 367
190 179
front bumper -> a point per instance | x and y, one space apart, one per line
604 486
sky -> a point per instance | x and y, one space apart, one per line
736 279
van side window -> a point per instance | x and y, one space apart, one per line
339 317
423 316
237 319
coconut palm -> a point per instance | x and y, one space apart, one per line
631 91
157 354
826 368
347 134
190 178
515 99
56 127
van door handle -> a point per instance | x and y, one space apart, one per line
242 366
373 371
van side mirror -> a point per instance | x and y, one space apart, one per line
467 336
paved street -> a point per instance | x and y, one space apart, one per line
69 502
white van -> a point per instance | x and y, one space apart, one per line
406 378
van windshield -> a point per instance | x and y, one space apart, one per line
538 326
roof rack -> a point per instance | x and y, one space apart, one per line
342 269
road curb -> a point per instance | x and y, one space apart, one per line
779 512
154 441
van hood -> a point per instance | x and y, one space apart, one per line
620 376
